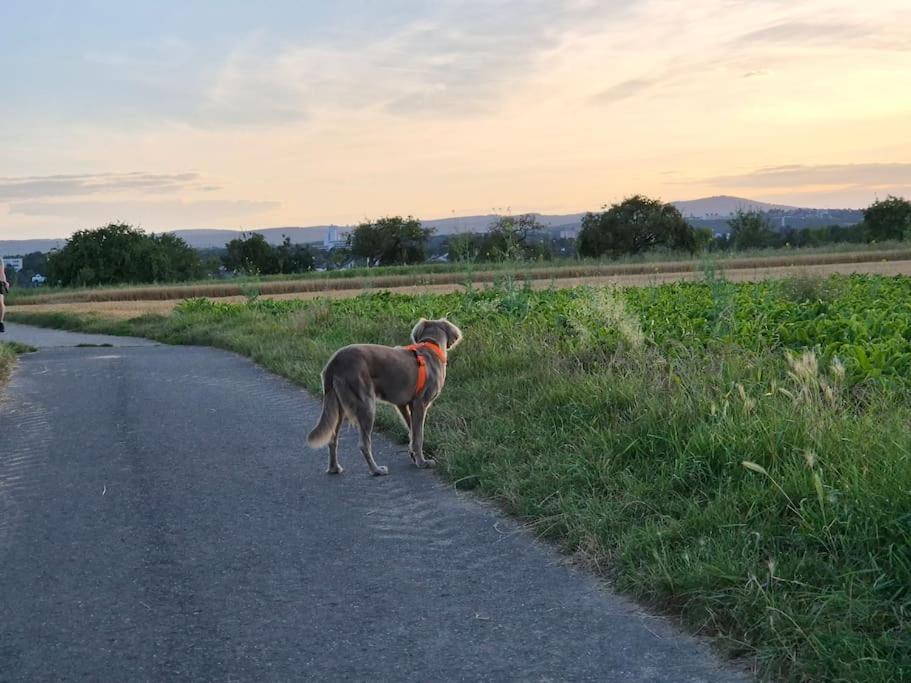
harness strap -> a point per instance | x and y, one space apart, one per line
422 374
422 362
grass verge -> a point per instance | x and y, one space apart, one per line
697 444
8 353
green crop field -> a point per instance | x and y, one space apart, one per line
736 454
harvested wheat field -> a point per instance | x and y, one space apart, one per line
124 310
314 284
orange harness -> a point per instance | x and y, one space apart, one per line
422 363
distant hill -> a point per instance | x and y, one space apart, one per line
23 247
724 206
446 226
708 211
202 238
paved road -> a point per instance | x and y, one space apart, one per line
44 338
162 519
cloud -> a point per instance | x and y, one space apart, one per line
151 200
795 176
850 197
153 214
46 187
625 89
877 32
455 58
801 31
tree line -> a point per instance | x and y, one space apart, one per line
119 253
884 220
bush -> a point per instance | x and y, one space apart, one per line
751 230
889 219
118 253
388 241
635 225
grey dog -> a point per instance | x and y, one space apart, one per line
410 378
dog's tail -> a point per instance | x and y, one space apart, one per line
325 428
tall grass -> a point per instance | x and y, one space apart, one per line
8 353
753 490
7 358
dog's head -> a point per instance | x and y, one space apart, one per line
440 331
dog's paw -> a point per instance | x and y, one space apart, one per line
380 471
335 470
426 462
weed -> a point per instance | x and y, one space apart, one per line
8 353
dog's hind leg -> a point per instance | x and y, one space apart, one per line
365 414
405 412
334 467
418 415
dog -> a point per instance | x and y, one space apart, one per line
410 378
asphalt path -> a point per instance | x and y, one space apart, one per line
161 518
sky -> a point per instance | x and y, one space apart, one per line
231 114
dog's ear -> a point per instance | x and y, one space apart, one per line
453 333
418 332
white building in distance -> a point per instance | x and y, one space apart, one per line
335 239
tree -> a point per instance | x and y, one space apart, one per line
703 238
508 239
751 230
830 234
390 240
251 253
170 259
463 247
293 258
635 225
338 256
888 219
32 263
119 253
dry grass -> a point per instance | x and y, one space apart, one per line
631 273
126 309
8 353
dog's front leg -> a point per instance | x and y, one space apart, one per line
418 415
